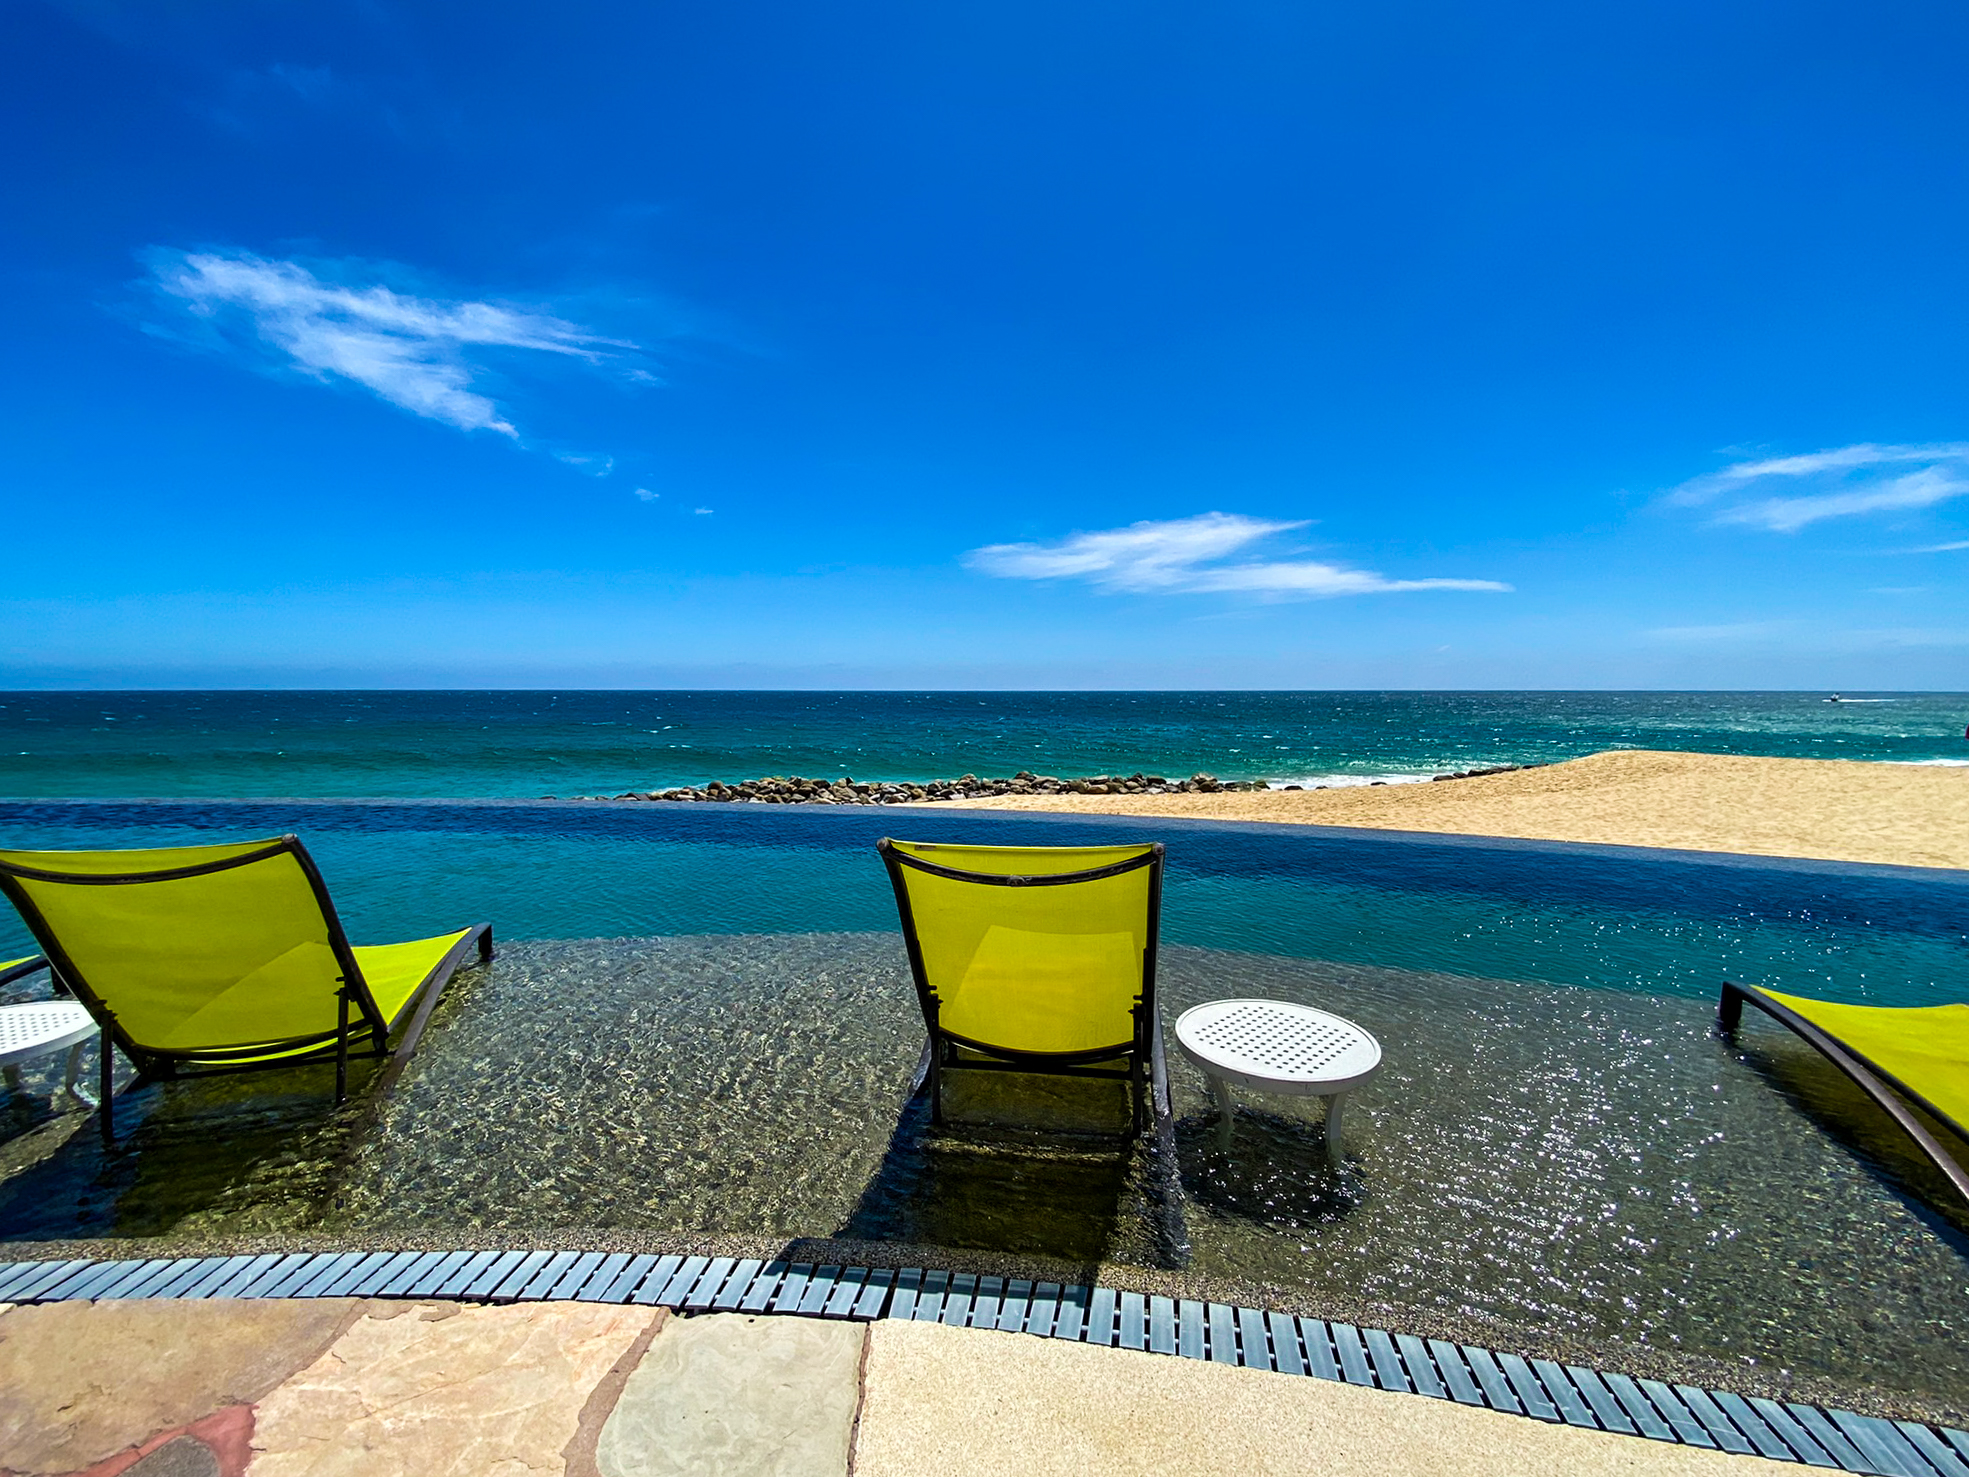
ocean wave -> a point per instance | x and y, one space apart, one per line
1933 763
1347 781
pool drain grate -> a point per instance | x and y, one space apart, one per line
1435 1368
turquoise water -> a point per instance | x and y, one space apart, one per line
1657 922
464 744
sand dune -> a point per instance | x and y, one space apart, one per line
1911 815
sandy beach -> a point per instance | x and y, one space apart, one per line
1902 814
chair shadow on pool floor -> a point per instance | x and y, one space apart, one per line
1830 1102
1026 1166
251 1154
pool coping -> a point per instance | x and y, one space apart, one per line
1221 1333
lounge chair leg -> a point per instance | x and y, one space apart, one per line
342 1052
1729 1012
1158 1075
1336 1129
13 1078
936 1083
106 1102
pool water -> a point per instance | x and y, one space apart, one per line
701 1022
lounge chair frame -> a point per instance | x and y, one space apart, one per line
1871 1078
1146 1071
359 1013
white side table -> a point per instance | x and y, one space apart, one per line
1270 1046
39 1028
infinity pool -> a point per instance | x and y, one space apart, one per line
701 1025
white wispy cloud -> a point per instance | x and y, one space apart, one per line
1734 631
1921 489
421 354
646 495
1187 556
1785 494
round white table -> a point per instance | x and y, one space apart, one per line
1271 1046
39 1028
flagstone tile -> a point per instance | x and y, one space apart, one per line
81 1383
439 1390
735 1396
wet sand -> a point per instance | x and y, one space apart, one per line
1832 809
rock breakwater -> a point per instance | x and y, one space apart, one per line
793 789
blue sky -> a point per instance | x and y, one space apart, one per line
883 344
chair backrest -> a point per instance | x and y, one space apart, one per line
191 949
1924 1048
1045 951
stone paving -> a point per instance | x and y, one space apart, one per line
731 1393
340 1387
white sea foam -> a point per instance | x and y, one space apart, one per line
1935 763
1348 781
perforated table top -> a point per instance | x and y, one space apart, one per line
1277 1047
41 1026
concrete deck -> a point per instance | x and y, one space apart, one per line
349 1386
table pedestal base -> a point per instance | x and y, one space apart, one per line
1336 1104
76 1093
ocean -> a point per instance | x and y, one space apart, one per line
504 744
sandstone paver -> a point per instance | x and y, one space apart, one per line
939 1399
736 1396
437 1390
81 1383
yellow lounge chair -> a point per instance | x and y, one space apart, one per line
1035 959
1920 1053
224 958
